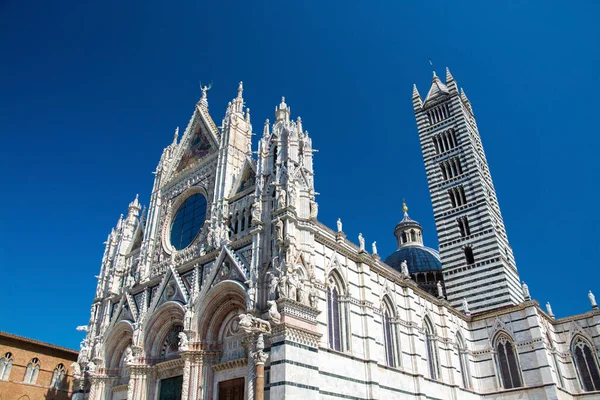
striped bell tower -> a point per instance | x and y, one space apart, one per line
477 260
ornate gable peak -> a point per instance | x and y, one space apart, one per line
574 330
245 179
497 327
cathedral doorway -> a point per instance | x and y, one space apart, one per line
170 388
232 389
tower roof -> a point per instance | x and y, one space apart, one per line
437 89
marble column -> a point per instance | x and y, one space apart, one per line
259 383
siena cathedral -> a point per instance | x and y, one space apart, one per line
227 287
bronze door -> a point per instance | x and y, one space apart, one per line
232 389
170 389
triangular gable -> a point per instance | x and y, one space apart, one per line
497 327
139 301
245 179
227 267
574 330
198 141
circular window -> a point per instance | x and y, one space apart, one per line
188 221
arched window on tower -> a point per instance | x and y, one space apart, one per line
58 376
508 364
431 349
469 257
463 359
390 337
32 371
6 364
586 364
337 321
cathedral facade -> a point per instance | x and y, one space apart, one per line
229 287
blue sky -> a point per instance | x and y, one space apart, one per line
91 92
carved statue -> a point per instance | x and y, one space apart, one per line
301 292
130 281
292 283
256 212
250 295
187 318
465 306
549 309
404 268
526 294
361 242
128 358
274 315
91 367
273 283
250 324
313 296
374 247
76 370
440 290
279 229
339 225
592 299
183 342
281 198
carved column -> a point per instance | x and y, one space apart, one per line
196 374
259 383
98 383
187 365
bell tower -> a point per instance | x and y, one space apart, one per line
477 259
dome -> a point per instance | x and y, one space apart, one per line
419 259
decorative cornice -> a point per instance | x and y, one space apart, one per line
231 364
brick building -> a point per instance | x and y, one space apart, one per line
32 370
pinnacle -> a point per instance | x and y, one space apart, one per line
449 76
415 92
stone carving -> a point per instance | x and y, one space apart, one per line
273 285
188 316
281 198
526 294
250 296
339 225
301 292
130 281
465 306
256 212
251 324
440 290
374 247
592 300
183 342
549 310
404 268
259 356
313 296
279 229
361 242
274 315
128 358
91 367
76 370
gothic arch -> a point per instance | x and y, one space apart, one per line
507 360
159 325
217 306
586 363
336 278
117 340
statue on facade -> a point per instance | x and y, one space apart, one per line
314 209
256 212
404 268
130 281
374 247
465 306
91 367
183 342
281 198
361 242
279 229
549 309
251 324
526 294
339 225
76 370
440 290
592 300
274 315
188 316
313 296
128 356
292 281
301 292
273 284
250 295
